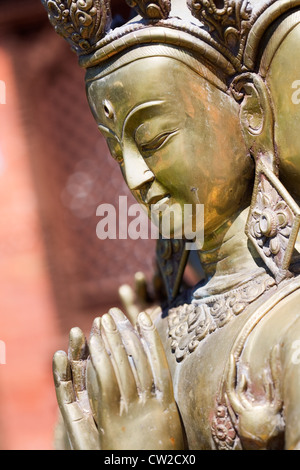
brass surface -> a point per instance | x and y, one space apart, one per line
197 115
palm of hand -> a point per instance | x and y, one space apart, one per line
128 383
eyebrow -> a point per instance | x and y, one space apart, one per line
138 108
108 131
131 113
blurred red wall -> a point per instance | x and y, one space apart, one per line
54 171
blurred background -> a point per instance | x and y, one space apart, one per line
54 171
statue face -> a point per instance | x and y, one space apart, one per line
176 137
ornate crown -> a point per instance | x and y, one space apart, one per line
230 28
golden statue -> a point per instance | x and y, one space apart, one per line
199 103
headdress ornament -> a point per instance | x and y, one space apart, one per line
225 32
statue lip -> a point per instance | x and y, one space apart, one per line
157 202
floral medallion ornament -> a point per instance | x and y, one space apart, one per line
273 222
153 10
223 430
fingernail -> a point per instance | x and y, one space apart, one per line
77 344
140 277
108 323
126 293
96 326
117 314
61 368
145 320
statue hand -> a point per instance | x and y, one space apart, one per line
259 422
69 377
139 298
135 406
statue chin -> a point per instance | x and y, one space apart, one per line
200 110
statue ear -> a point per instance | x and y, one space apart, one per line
256 114
263 228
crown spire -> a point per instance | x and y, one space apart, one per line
156 10
81 22
227 20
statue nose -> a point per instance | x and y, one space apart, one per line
137 172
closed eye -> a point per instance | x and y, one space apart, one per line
112 142
115 149
158 142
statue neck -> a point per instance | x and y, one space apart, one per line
227 258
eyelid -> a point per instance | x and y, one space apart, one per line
112 142
158 141
108 133
115 149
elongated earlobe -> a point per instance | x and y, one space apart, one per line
274 217
256 117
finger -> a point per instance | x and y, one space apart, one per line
242 388
81 430
113 343
135 350
272 379
63 378
141 287
78 353
96 326
231 373
157 357
276 372
108 388
230 386
128 300
93 392
241 385
78 350
91 375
